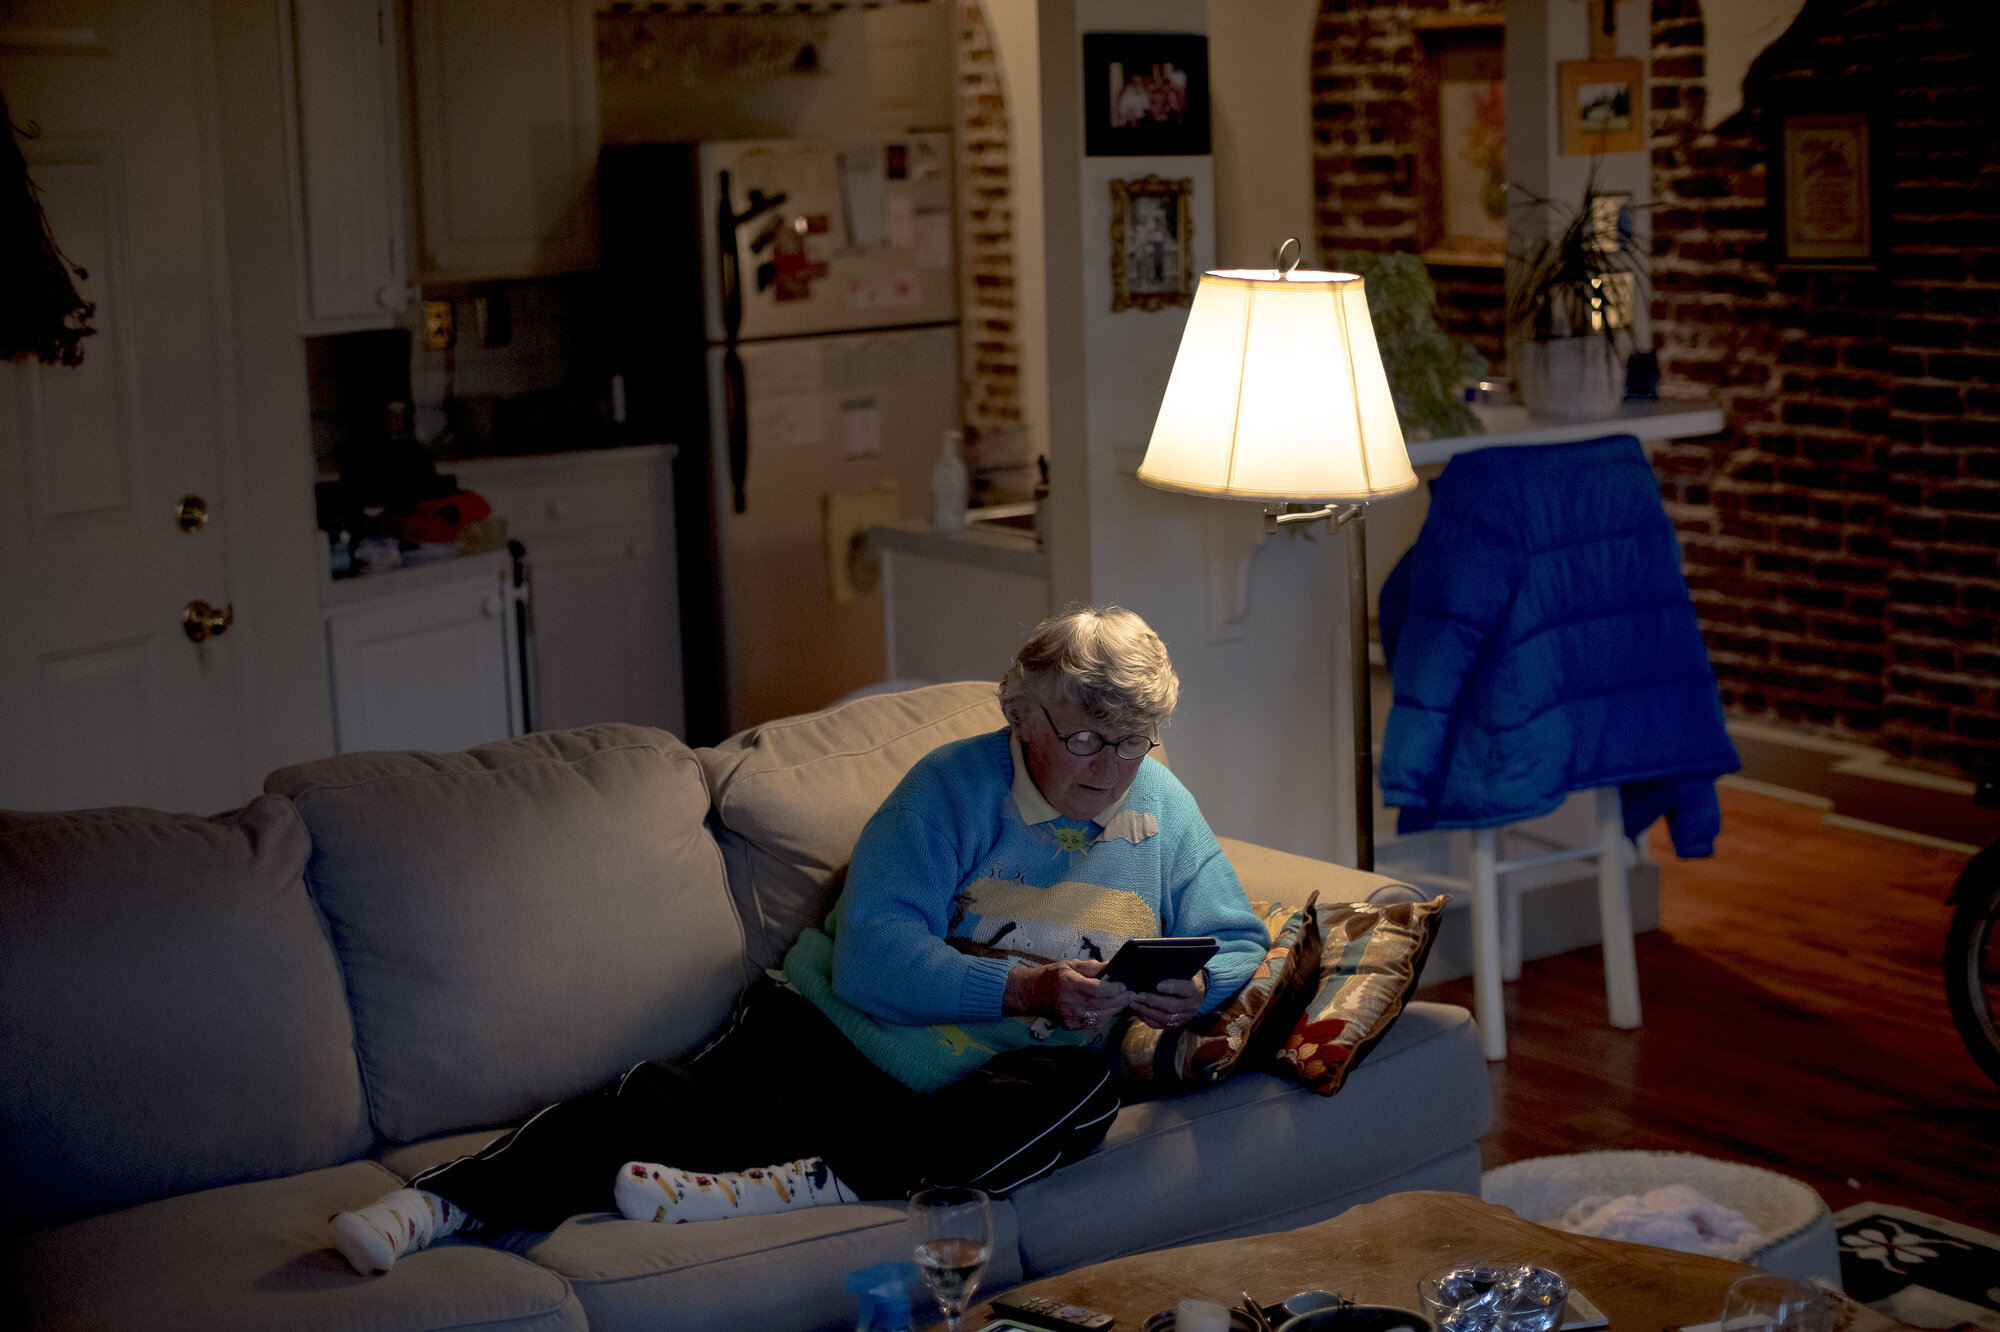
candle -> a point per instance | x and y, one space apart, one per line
1200 1316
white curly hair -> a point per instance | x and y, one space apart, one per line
1102 659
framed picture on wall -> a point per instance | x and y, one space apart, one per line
1601 105
1822 192
1460 167
1152 244
1145 94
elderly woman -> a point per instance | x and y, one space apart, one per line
949 1025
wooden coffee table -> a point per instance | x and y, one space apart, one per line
1377 1252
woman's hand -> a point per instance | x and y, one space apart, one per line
1174 1004
1068 993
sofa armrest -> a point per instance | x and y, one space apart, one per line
1280 876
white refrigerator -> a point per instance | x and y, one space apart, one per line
828 371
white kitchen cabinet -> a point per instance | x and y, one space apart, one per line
426 658
504 99
598 527
345 150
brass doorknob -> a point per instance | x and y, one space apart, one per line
191 514
202 620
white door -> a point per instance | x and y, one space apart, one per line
103 698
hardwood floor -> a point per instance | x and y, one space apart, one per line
1795 1018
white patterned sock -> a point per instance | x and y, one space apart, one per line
647 1192
372 1238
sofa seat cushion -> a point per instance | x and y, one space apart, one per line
519 923
1258 1145
791 797
253 1256
780 1273
171 1012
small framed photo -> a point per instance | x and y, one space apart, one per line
1145 94
1152 244
1822 192
1602 105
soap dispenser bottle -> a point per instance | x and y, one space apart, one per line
949 484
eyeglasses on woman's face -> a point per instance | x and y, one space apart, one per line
1083 744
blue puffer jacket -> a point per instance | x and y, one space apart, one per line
1542 641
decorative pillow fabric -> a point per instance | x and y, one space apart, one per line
1244 1032
1370 959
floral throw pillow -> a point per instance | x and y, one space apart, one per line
1370 958
1246 1031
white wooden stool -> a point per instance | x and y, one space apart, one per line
1496 915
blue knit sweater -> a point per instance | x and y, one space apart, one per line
963 850
1541 641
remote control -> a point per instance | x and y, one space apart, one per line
1040 1311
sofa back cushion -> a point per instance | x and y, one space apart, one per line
171 1013
521 922
791 797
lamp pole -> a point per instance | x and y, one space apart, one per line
1360 699
1360 694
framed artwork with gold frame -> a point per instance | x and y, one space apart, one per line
1601 106
1152 244
1459 168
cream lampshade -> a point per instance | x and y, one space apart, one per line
1278 394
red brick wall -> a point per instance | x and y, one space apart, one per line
1840 535
1365 119
986 231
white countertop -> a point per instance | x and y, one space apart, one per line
1666 419
339 594
1008 551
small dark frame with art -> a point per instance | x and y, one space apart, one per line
1152 244
1145 94
1826 211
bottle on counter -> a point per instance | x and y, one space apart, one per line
949 484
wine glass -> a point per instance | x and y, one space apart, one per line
1767 1303
954 1232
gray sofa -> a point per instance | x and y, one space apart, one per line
214 1032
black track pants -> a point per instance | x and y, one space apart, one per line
780 1083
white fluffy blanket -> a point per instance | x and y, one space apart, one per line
1671 1217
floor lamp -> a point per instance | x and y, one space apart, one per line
1278 396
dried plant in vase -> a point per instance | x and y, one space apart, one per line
1570 301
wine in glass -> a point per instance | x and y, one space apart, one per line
954 1233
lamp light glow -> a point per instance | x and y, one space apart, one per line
1278 394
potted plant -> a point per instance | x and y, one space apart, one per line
1570 300
1426 369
